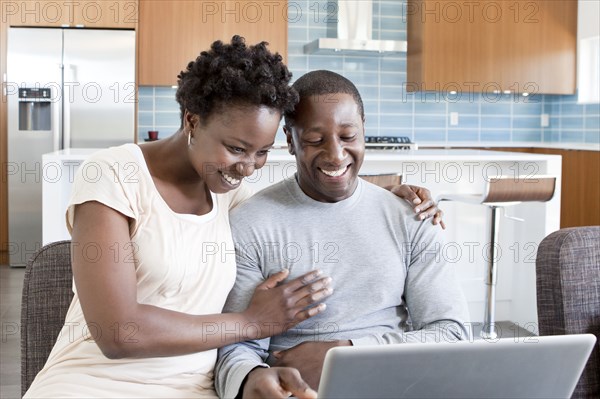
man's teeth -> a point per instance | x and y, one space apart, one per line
230 179
334 173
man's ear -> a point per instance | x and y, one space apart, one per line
289 139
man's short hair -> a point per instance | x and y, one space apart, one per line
323 82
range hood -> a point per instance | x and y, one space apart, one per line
354 33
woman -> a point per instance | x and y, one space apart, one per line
152 253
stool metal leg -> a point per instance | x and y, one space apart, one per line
491 277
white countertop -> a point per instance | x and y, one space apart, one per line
513 144
426 151
71 154
432 155
80 154
499 144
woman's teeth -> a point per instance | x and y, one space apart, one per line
334 173
230 179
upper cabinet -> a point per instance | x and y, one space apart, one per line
172 33
522 46
80 13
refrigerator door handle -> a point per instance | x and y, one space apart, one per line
56 106
69 76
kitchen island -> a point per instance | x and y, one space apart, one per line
441 171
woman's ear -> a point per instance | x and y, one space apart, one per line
289 139
190 121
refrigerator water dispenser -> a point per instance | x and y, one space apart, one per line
34 109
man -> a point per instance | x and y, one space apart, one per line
384 263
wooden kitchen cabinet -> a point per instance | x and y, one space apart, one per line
79 13
487 46
171 33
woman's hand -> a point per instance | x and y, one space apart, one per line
276 307
424 205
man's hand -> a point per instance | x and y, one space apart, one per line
424 206
276 383
308 359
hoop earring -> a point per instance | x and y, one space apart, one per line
189 138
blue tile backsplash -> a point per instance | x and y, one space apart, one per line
389 109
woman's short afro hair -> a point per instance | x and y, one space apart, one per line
235 74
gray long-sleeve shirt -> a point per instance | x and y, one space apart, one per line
391 283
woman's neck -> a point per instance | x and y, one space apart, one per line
168 160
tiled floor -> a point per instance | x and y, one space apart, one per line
11 284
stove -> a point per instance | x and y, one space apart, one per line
389 143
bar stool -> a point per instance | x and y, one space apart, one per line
384 179
499 193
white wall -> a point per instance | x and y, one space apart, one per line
588 51
587 19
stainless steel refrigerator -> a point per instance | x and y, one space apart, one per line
66 88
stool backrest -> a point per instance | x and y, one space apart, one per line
384 180
520 188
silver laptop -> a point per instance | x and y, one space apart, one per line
534 367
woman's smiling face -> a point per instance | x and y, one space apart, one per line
231 145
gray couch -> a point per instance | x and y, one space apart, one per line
47 294
568 293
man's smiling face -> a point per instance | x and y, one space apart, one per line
327 138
